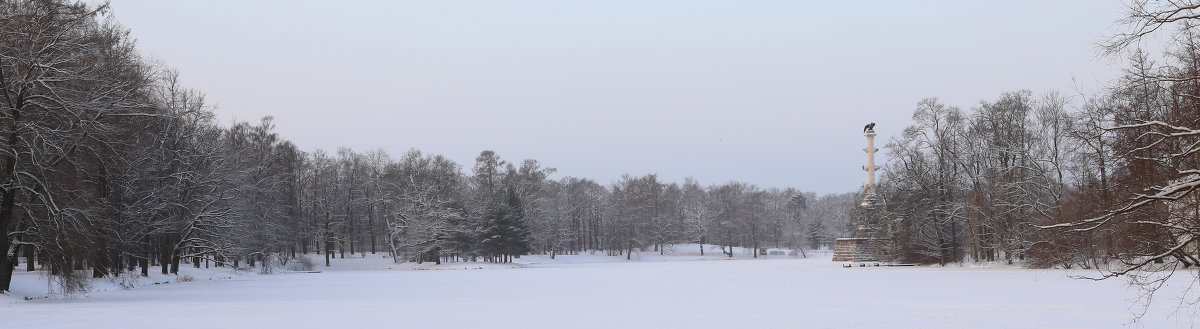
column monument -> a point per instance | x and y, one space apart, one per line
861 247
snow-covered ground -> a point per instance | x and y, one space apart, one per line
596 291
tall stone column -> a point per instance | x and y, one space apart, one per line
870 167
862 245
870 199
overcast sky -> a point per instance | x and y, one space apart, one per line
773 93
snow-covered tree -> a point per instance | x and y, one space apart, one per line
70 85
427 214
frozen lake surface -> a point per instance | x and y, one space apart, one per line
607 292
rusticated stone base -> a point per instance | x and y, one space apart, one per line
860 248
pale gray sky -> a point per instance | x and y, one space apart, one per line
773 93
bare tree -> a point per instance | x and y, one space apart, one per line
1155 229
428 207
925 180
581 211
694 205
68 85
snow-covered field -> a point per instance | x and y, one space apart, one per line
594 291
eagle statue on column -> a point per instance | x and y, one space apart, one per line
869 126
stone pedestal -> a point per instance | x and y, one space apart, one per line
860 248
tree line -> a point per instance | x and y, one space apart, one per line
109 164
1102 180
1054 180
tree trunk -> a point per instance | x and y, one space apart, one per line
371 226
328 239
29 257
164 256
729 237
100 263
98 269
755 243
55 267
118 263
7 263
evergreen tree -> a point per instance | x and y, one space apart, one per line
492 235
517 233
504 232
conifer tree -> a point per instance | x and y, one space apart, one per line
517 231
504 233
